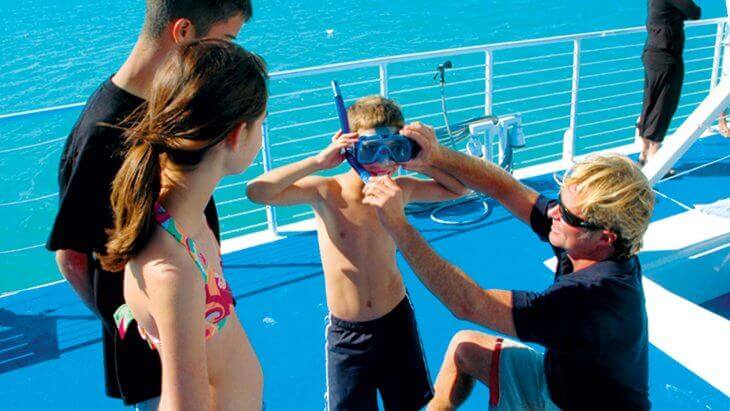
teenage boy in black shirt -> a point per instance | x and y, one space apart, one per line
591 321
93 154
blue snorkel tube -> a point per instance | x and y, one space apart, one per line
345 127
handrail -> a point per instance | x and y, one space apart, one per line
25 147
315 118
610 143
376 62
42 110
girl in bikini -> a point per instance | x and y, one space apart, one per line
201 123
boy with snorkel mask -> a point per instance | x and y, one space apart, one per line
372 338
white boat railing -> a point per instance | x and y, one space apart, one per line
576 93
492 101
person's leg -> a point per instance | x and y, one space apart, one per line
644 153
349 376
646 107
670 91
403 379
648 149
722 124
468 358
662 87
513 372
652 148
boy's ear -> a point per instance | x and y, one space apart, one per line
235 137
183 31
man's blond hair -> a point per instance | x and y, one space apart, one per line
614 193
375 111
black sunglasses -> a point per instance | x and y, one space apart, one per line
575 221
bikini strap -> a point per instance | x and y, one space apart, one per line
165 220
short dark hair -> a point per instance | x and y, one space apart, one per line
202 13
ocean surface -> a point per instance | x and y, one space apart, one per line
57 52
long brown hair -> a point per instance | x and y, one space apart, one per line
199 95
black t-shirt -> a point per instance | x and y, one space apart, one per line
91 158
593 325
665 24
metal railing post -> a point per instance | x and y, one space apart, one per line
716 57
268 166
569 136
488 81
383 69
724 72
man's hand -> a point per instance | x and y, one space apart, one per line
461 295
425 137
332 156
384 194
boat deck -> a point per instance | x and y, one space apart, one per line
50 350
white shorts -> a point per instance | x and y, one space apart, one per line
517 379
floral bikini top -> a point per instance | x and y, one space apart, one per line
218 296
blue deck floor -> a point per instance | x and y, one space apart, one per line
50 352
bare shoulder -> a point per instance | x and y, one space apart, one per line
317 184
331 187
166 269
320 182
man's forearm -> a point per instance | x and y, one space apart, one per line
74 266
448 181
475 173
487 178
461 295
447 282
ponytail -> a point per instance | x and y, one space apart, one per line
135 190
200 93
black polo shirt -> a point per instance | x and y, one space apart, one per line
592 323
91 158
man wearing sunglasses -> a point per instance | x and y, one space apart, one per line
591 320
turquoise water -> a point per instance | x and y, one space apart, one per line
54 53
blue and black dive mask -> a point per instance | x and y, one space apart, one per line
384 145
373 148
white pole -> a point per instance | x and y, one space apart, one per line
384 80
726 60
569 135
717 54
488 81
724 75
267 160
